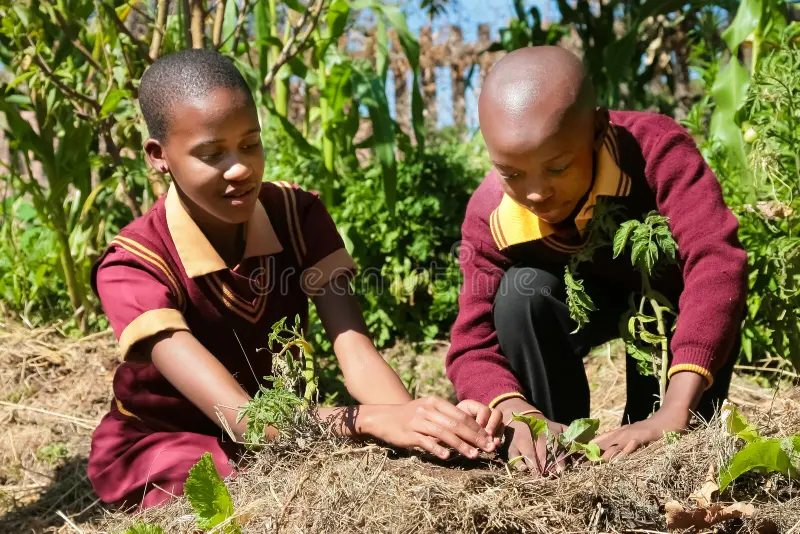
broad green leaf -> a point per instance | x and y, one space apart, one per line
338 89
590 450
208 495
622 235
382 50
765 456
648 337
737 425
639 248
19 79
337 18
229 24
112 100
632 326
295 5
410 46
536 425
144 528
729 91
746 21
580 430
371 93
263 34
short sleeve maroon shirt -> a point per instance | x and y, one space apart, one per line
162 274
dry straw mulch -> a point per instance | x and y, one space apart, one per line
316 485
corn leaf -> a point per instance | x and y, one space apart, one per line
746 21
370 92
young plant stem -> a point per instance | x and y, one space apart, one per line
328 148
197 23
219 18
662 369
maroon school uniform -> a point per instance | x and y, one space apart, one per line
648 162
162 274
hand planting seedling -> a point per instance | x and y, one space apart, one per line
280 406
568 447
651 245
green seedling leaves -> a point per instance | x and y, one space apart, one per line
536 425
580 430
737 425
766 455
622 236
144 528
209 497
207 494
590 450
578 301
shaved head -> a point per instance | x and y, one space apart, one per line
540 125
547 82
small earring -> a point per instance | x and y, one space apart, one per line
163 168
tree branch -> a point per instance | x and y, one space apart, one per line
73 38
143 52
67 90
289 51
160 27
198 14
219 18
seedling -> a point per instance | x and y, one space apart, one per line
764 455
651 246
282 406
565 448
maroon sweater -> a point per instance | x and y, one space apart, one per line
661 169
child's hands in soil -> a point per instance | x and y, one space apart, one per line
490 419
683 394
518 436
626 439
430 423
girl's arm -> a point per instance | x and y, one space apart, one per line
199 376
367 376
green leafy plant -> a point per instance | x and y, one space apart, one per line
566 447
209 498
280 406
144 528
651 245
52 453
764 455
527 29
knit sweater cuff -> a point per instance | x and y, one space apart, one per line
693 359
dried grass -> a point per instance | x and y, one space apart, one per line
323 485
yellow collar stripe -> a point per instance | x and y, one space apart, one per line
512 224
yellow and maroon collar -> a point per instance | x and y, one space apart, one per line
512 224
195 251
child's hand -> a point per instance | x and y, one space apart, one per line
428 423
490 419
519 440
626 439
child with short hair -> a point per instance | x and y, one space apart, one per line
194 286
555 155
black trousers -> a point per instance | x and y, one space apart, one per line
534 328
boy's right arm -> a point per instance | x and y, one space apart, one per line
475 364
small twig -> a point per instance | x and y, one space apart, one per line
91 337
143 52
83 423
68 521
313 11
768 369
53 78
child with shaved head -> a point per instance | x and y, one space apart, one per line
555 155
